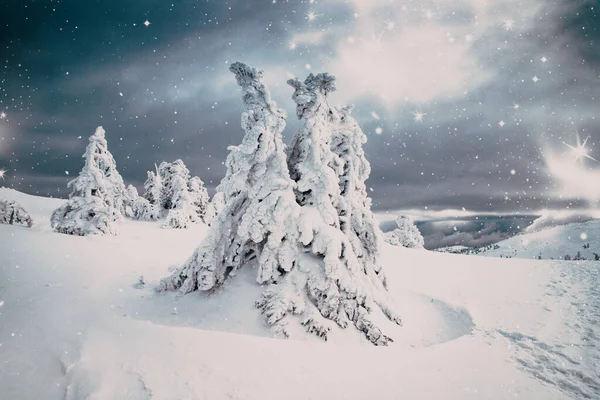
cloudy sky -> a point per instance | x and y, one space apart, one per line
466 104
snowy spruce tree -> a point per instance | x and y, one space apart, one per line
200 199
98 198
354 208
12 212
258 219
267 219
184 198
172 193
336 224
406 234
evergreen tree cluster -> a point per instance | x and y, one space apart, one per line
301 216
99 198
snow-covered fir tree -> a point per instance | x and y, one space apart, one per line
153 188
200 199
406 234
12 212
258 219
325 161
172 193
176 197
183 197
354 209
263 216
98 198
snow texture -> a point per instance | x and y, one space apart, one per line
75 324
258 218
13 213
98 198
406 234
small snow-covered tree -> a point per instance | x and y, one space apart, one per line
200 199
177 198
258 218
406 234
98 198
153 188
13 213
183 197
325 161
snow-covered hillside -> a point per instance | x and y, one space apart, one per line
553 243
77 322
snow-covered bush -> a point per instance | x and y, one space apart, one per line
406 234
98 198
266 218
258 219
13 213
171 192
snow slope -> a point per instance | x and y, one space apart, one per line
552 243
76 324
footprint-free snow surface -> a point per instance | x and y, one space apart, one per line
79 319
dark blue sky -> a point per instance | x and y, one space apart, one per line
501 85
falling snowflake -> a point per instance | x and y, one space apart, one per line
501 123
2 173
543 59
2 115
516 106
292 46
512 172
583 236
378 130
374 115
535 79
311 16
67 172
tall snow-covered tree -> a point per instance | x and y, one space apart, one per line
354 209
406 234
326 161
98 198
258 220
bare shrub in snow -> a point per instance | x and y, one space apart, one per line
13 213
407 234
98 198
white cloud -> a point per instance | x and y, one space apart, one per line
430 52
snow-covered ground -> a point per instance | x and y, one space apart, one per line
552 243
75 323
